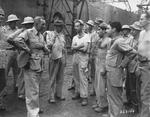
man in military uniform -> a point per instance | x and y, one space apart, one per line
32 42
11 51
26 24
118 49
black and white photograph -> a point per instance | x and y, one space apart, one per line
74 58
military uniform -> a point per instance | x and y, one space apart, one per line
32 40
115 74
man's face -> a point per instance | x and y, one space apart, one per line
89 28
101 32
78 27
41 25
12 24
59 28
143 20
134 32
28 26
125 32
109 30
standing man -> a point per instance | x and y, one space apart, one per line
92 52
119 48
2 60
144 58
32 42
56 43
80 63
26 24
100 73
12 52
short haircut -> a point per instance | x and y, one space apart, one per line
38 19
116 25
79 21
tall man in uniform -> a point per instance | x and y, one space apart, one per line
12 52
56 43
144 58
114 56
32 42
80 63
26 24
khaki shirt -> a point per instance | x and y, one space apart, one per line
57 41
114 58
94 38
31 39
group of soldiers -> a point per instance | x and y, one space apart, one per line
24 49
114 58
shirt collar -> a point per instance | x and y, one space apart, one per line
35 31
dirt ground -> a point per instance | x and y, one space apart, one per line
67 108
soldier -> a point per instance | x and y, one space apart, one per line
100 74
32 42
80 63
2 60
12 52
26 24
114 56
144 58
56 43
92 51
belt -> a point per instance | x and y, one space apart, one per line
80 51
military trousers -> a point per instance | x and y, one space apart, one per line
32 81
2 86
80 74
56 75
12 63
21 83
100 83
115 102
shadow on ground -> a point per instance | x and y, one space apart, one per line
68 108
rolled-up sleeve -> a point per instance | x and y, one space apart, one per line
21 41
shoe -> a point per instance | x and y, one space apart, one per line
76 97
93 94
71 88
84 102
41 111
52 100
94 106
101 110
61 98
21 97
